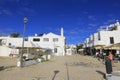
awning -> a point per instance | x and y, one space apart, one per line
81 50
114 46
99 46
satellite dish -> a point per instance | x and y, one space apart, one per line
3 42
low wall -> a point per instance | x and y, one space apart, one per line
30 62
114 76
4 51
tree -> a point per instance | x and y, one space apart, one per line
79 46
14 35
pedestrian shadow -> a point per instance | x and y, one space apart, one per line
55 73
1 68
46 78
67 70
101 73
7 67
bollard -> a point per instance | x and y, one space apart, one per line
108 65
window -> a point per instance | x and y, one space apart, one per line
93 37
45 39
9 44
55 50
0 42
89 39
55 39
111 40
36 39
98 35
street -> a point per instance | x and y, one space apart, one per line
75 67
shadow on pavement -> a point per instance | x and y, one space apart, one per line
7 67
55 73
1 68
102 73
67 70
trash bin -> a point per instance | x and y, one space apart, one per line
108 65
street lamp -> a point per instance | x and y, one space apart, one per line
22 51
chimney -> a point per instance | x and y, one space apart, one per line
107 28
118 25
62 32
117 22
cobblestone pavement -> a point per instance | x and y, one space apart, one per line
75 67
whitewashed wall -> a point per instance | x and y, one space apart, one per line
50 44
104 37
14 41
17 42
4 51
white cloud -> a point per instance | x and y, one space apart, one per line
116 4
91 17
77 31
5 11
26 10
21 7
62 15
50 29
0 12
9 30
3 33
17 0
92 25
85 30
85 12
7 1
0 31
110 21
74 32
12 0
8 12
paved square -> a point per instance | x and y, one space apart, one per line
75 67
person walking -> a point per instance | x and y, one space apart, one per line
108 65
110 56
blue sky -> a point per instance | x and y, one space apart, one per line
79 18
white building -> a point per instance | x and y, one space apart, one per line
106 36
51 41
71 49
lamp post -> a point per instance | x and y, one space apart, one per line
22 51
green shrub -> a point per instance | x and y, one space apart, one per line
24 58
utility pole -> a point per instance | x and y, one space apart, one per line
22 51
